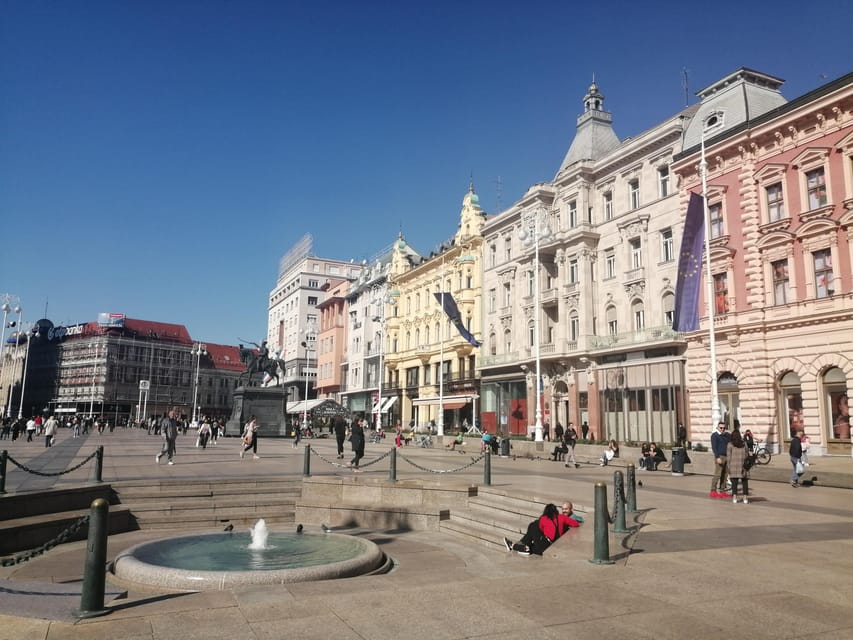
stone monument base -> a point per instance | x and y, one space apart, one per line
267 404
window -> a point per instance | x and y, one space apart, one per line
636 253
715 214
663 182
668 309
508 249
612 324
781 282
493 300
775 202
610 264
638 312
312 301
823 273
493 255
816 187
531 283
574 327
721 294
667 254
314 284
507 341
507 294
634 186
531 335
573 214
573 270
608 205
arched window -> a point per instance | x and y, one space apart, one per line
836 396
507 341
426 335
408 340
668 304
531 334
493 344
638 315
417 337
612 323
792 402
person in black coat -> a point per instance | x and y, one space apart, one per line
340 435
796 452
357 441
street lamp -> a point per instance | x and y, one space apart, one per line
26 366
199 349
6 309
17 323
310 336
380 296
535 229
96 347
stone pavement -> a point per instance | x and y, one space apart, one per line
781 566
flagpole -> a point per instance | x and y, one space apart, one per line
441 357
709 285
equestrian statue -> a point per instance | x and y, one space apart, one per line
260 362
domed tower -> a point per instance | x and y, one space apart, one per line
594 137
471 218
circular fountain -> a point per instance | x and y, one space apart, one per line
216 561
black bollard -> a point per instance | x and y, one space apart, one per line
632 489
306 466
3 455
95 567
619 525
601 552
392 472
99 464
487 470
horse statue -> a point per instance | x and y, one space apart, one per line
259 362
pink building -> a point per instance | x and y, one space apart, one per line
780 202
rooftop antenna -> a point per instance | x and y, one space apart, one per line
685 85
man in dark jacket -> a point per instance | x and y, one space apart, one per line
169 429
340 435
719 447
796 452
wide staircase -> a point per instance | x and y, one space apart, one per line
209 503
492 515
31 519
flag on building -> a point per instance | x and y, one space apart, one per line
449 304
689 282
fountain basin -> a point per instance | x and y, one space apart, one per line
216 561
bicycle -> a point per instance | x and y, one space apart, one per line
760 455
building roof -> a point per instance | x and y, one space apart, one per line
224 357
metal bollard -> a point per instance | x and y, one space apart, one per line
601 552
487 470
619 525
95 567
3 455
99 463
306 466
392 472
632 489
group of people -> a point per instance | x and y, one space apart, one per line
545 530
651 456
49 425
734 456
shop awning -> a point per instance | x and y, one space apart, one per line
386 404
448 402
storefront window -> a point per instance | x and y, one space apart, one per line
836 394
792 401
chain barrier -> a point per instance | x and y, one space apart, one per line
428 470
24 467
400 455
47 546
346 465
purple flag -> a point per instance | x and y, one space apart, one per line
449 304
689 283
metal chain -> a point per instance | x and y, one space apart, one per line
462 468
24 467
346 466
47 546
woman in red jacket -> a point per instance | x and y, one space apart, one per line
543 532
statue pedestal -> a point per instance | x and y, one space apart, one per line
267 404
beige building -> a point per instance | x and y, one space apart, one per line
780 204
427 360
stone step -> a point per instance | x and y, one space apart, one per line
30 532
215 522
480 535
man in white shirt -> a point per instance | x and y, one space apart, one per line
50 428
31 429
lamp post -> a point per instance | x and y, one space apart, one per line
535 229
709 279
199 349
380 296
310 336
26 366
16 323
96 347
6 309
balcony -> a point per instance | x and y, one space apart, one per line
572 287
635 275
644 336
549 296
499 359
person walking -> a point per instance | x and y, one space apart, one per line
31 429
719 447
204 432
340 428
50 428
357 442
736 455
571 439
250 438
169 429
796 453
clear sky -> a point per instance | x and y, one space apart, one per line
158 158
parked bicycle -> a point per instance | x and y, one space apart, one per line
760 454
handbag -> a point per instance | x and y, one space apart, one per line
800 469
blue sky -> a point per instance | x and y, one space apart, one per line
158 158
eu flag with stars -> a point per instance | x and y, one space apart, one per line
449 305
689 282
